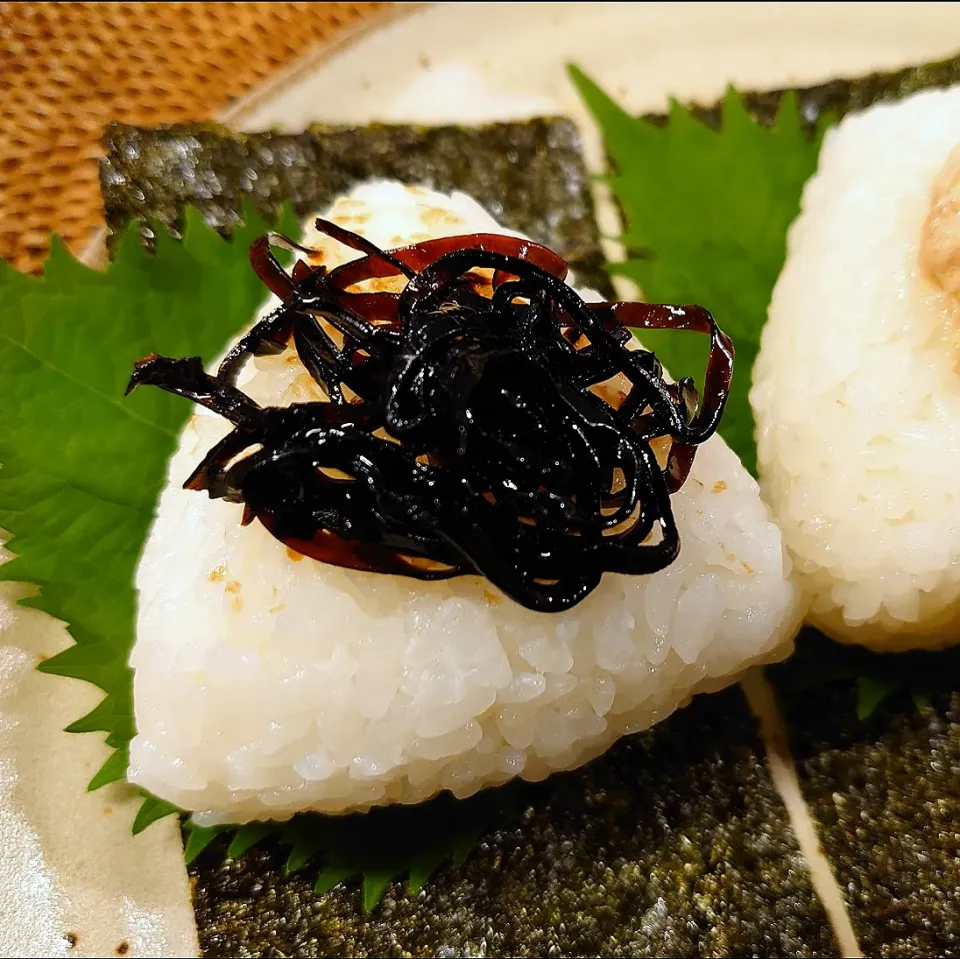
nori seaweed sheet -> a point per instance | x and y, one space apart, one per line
883 790
837 98
529 175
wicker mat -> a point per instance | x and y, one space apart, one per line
67 69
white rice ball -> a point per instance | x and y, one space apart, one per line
267 683
856 389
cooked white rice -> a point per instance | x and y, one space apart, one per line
267 683
856 389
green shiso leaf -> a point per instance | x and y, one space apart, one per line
81 468
377 847
871 692
113 769
332 876
921 699
197 838
246 837
374 886
150 811
706 215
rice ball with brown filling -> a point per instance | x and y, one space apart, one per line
856 391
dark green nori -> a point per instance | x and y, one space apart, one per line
529 175
837 98
883 790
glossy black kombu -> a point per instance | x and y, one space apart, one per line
483 420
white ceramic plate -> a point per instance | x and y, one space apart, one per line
69 865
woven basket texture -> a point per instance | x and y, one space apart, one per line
68 69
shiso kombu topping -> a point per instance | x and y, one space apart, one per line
485 420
